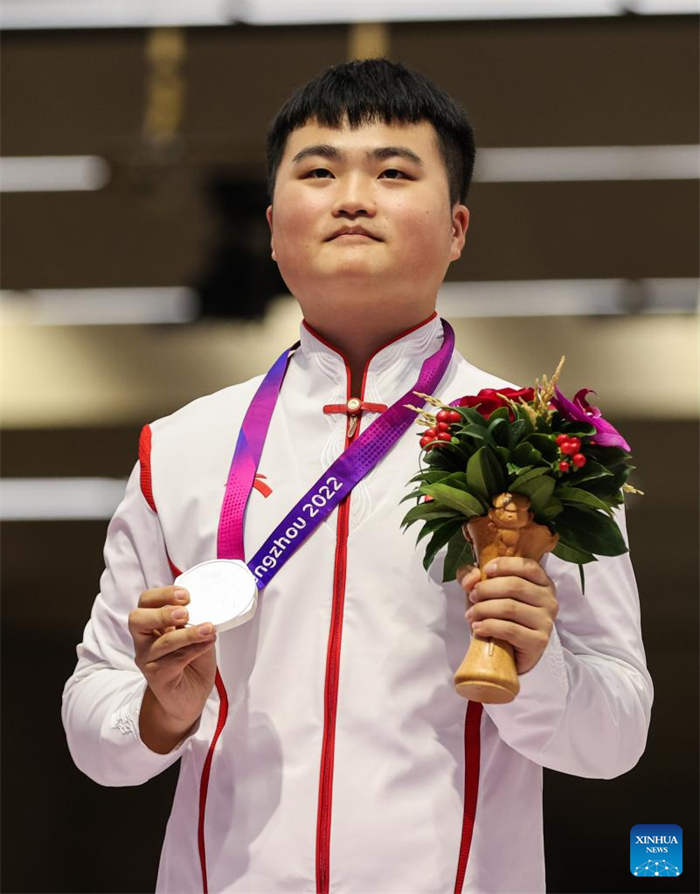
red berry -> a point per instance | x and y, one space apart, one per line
563 466
430 433
443 426
576 444
454 416
444 436
560 439
424 441
443 416
579 460
569 448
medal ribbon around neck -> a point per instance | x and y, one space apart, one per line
335 483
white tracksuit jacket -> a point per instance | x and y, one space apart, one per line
346 762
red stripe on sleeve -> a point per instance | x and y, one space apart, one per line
147 484
145 463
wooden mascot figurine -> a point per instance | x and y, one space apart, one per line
488 672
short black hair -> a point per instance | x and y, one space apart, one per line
371 90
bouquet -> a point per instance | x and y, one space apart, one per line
517 472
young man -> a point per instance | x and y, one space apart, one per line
323 746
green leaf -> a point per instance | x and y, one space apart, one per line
539 490
607 456
445 458
455 479
590 531
550 511
546 446
527 474
518 430
501 413
480 433
523 417
572 427
434 524
526 455
485 474
454 498
607 489
582 497
471 415
499 432
463 449
439 539
571 554
426 511
459 552
428 476
591 471
504 453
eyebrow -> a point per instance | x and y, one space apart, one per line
324 150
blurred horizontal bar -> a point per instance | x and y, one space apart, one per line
95 307
39 499
53 173
560 163
507 298
288 12
57 173
568 297
150 13
121 14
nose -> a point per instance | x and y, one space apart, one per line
354 198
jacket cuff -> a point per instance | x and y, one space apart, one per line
548 678
532 718
125 721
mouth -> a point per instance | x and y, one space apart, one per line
354 233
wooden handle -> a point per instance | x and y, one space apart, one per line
488 673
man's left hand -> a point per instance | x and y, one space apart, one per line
516 603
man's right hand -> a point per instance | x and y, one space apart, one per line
178 662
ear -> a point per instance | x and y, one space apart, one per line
460 225
268 215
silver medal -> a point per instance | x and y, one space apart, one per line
222 591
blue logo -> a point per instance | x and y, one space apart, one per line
656 849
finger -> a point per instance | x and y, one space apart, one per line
515 566
463 571
159 596
509 610
522 638
178 639
513 587
467 576
172 665
145 622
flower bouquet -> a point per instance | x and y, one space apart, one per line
516 472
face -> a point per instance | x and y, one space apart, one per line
361 220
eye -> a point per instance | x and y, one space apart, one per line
394 174
318 174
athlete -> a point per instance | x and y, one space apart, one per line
322 744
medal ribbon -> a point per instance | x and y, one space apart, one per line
334 484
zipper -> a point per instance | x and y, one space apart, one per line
325 795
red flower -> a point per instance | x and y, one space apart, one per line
489 399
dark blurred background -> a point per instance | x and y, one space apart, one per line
135 276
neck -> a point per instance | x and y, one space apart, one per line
357 344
